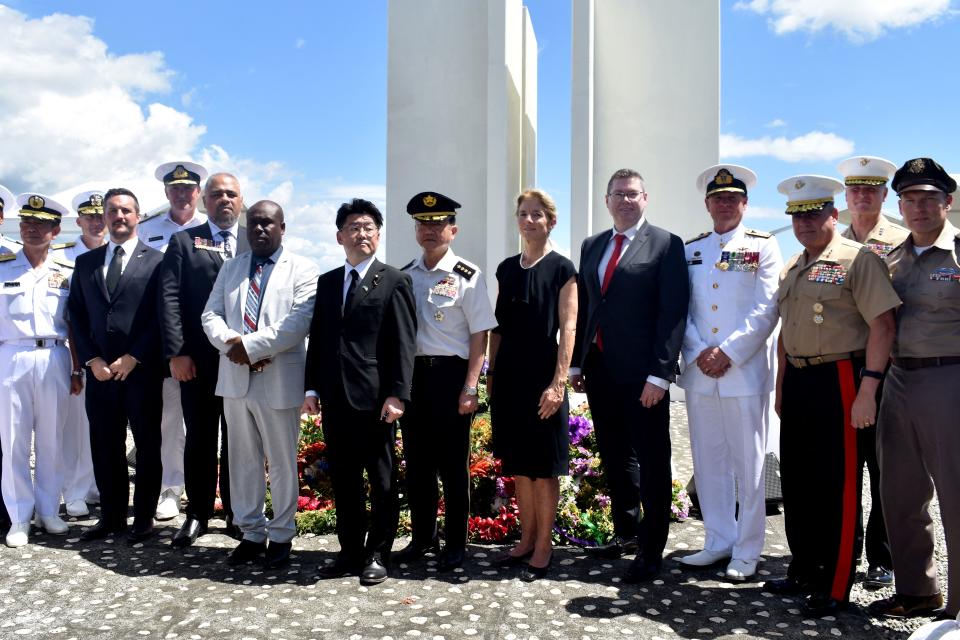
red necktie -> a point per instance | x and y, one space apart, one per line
608 275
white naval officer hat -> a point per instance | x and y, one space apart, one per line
726 177
181 172
88 203
7 201
809 193
41 207
869 170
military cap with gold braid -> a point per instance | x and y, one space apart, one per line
726 177
7 200
432 206
41 207
868 170
182 172
88 203
809 193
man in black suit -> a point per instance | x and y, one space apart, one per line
113 316
633 292
360 356
190 267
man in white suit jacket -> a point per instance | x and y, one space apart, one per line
258 316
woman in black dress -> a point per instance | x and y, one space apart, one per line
537 300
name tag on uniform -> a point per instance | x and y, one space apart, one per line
154 238
828 274
10 284
696 259
946 274
446 287
741 260
879 248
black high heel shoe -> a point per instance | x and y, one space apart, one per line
505 560
532 573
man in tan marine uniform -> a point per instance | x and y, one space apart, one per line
836 306
918 440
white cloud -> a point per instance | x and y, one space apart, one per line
814 146
857 20
776 123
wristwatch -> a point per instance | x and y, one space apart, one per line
869 373
470 391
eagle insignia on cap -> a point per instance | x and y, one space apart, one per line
864 162
916 166
723 177
36 202
96 200
180 173
429 201
799 184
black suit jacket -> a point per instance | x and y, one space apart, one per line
643 314
366 352
127 323
186 279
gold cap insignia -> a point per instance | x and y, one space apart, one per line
916 166
36 202
180 173
96 200
864 162
799 184
429 201
723 177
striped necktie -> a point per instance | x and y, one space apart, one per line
251 310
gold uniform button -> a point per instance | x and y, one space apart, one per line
716 285
713 307
818 319
714 330
817 307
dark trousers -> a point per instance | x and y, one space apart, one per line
634 446
110 405
821 472
876 544
206 425
359 441
436 443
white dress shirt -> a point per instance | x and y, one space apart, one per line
129 246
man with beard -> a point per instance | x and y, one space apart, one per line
113 316
181 185
190 267
257 317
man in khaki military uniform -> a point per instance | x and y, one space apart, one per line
918 441
836 307
865 179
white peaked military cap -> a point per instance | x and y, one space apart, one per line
41 207
181 172
809 193
88 203
7 201
869 170
726 177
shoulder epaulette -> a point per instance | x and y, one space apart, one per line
6 257
699 237
465 270
63 245
758 234
154 215
63 263
408 265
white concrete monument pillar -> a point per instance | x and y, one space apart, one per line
461 120
645 95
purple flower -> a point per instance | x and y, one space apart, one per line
603 501
579 428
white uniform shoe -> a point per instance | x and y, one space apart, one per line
19 534
168 507
741 570
704 558
77 508
53 524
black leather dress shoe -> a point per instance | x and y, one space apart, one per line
278 555
787 586
878 577
416 550
505 560
232 530
820 604
641 570
246 551
340 568
614 549
374 571
532 573
140 531
449 559
188 533
102 529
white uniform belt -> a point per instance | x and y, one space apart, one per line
36 343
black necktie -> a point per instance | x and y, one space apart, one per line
354 277
227 252
113 271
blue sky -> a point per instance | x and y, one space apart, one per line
293 99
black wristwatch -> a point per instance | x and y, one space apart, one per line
868 373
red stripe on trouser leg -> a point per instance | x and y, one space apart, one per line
848 521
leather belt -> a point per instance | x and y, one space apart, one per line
922 363
37 343
809 361
436 361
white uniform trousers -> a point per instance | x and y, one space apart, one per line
728 441
78 480
34 385
258 434
173 433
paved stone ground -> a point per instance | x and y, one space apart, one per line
57 587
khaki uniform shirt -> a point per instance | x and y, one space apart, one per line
826 304
928 323
882 238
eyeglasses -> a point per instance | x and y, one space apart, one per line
631 196
355 229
